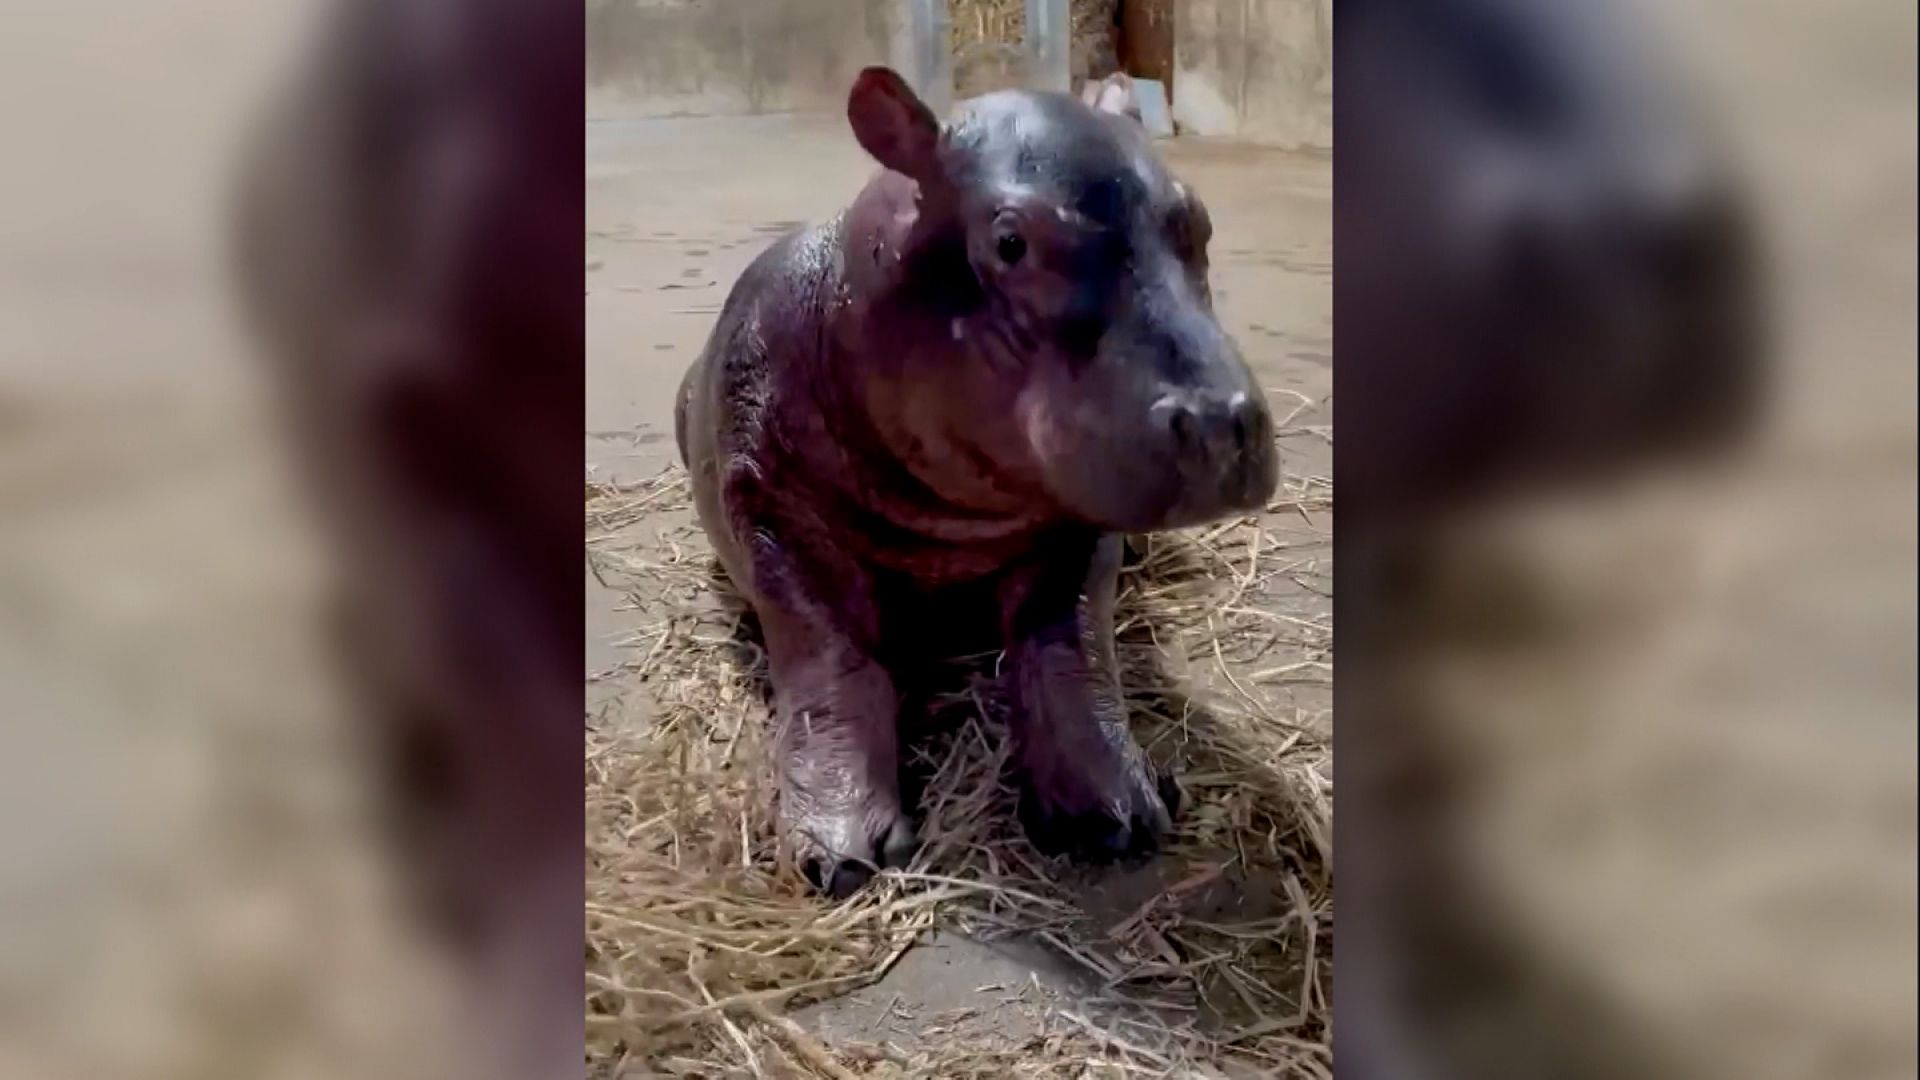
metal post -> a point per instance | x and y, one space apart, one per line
924 52
1049 29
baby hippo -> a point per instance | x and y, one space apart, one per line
1000 358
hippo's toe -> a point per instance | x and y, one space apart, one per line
839 870
1128 823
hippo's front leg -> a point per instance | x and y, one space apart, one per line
1087 786
836 715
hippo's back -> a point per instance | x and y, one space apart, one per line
774 308
772 313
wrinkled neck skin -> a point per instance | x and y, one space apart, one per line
925 447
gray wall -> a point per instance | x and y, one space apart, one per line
1258 70
1261 70
665 57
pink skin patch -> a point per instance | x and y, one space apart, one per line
1037 422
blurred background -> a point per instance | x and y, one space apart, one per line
1670 718
1626 361
197 867
186 889
183 884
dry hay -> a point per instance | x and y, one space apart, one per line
699 940
987 37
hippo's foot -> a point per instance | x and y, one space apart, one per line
1097 806
840 848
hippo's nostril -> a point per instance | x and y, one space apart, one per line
1180 422
1250 423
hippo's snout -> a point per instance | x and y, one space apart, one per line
1166 428
1222 444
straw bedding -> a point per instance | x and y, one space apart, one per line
701 945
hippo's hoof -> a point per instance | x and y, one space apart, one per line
1126 823
839 856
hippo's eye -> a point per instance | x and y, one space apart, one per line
1011 247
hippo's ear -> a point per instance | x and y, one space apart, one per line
893 124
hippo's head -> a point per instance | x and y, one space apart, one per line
1074 267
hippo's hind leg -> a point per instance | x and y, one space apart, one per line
1087 786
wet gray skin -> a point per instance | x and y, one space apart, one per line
964 389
